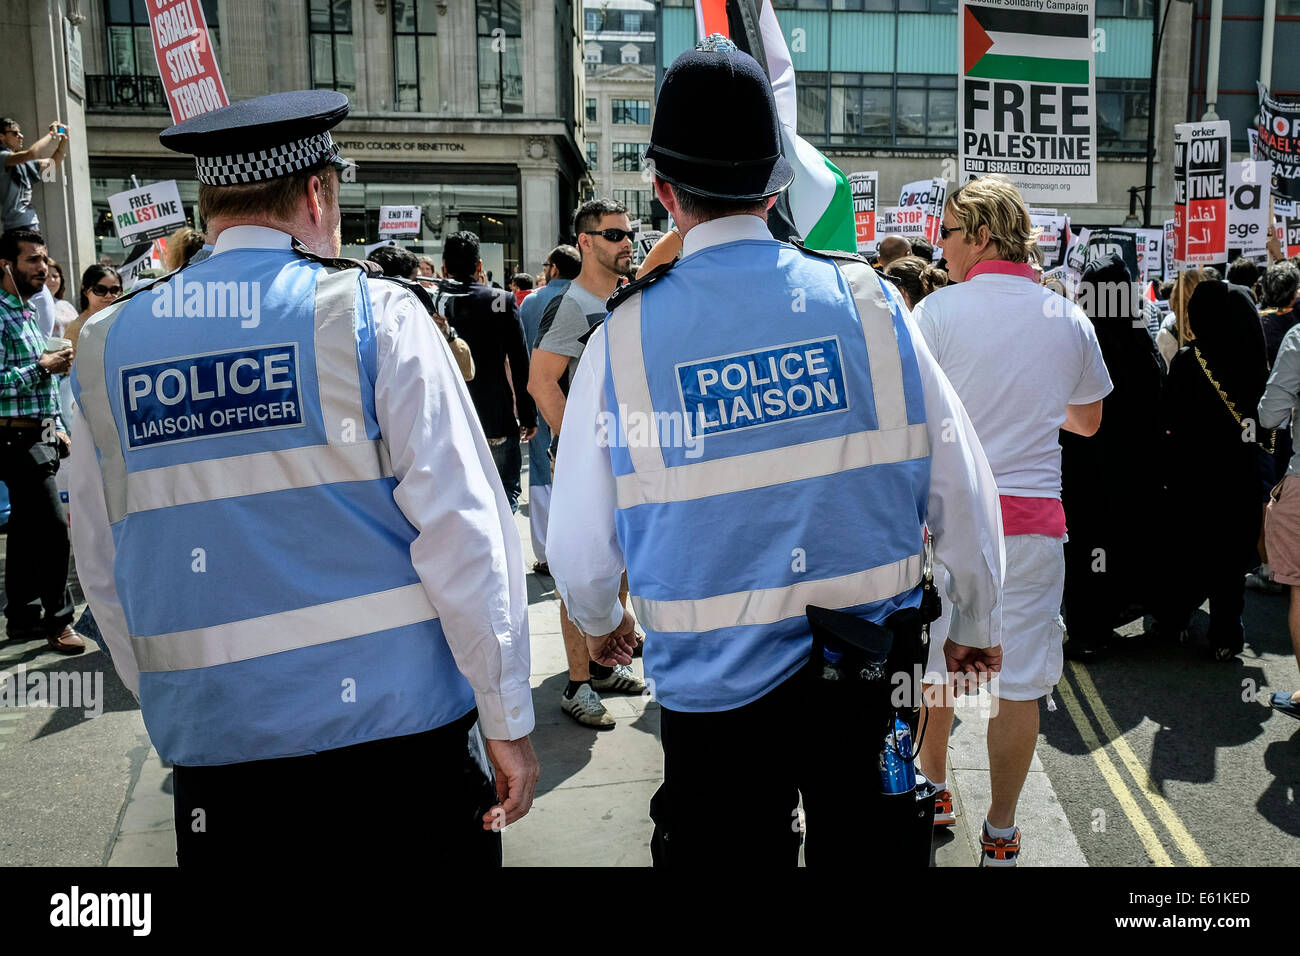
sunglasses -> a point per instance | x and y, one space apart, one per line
945 232
106 289
614 235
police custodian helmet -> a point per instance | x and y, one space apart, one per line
716 131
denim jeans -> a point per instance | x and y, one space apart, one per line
510 462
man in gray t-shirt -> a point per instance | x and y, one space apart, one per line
605 241
21 168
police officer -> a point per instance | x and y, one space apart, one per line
292 533
761 430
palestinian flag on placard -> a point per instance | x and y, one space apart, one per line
1009 44
818 206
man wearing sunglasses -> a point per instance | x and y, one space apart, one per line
605 242
31 432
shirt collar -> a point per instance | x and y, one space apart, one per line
1002 267
727 229
252 237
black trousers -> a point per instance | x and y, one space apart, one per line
732 781
36 558
417 799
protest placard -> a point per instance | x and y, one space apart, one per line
399 221
863 187
1277 139
1201 192
645 241
895 220
141 258
1170 244
186 61
1150 252
1248 193
927 196
1026 97
1049 238
147 212
1120 242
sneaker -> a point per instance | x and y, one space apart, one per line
998 851
1281 700
943 811
1260 582
585 707
622 681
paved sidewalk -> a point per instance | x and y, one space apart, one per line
592 803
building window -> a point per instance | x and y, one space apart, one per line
878 109
130 46
1122 109
630 53
500 74
631 23
591 53
593 150
630 112
591 110
593 21
332 63
1130 9
415 55
637 202
627 156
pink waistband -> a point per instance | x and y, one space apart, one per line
1043 516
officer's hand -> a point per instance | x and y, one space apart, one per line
617 646
57 363
517 773
526 434
981 663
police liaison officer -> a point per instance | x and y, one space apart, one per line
754 430
292 535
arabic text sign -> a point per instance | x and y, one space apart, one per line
185 58
1201 192
1026 95
146 213
399 221
863 187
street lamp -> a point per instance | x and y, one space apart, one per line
1156 37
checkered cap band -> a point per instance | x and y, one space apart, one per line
266 163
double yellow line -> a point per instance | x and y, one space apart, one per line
1118 786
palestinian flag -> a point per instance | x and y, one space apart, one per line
1003 43
818 206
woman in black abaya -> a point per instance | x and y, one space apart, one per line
1110 481
1212 463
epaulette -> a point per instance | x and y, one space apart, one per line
623 293
371 270
830 253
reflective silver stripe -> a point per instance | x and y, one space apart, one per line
97 407
255 474
882 344
775 466
286 631
338 371
627 364
777 604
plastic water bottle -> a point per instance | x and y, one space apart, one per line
831 657
897 775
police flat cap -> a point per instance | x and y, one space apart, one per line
262 138
716 131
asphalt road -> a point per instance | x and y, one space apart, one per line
1162 756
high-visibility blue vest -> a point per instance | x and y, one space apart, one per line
767 431
262 564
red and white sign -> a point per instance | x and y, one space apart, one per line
185 58
927 195
399 221
897 221
1201 192
863 187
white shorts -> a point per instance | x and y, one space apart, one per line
1032 629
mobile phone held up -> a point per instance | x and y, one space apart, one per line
61 129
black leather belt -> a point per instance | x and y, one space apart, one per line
20 423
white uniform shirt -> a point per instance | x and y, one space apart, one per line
467 552
964 515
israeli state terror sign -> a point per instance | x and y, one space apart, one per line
1026 96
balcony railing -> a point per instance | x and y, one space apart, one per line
139 94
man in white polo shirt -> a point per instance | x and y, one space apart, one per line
1025 363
